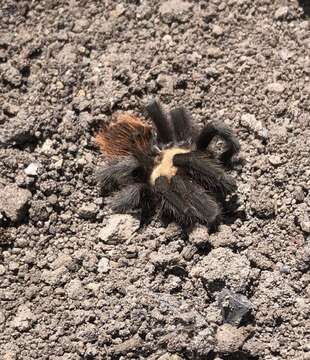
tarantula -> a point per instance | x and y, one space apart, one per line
170 169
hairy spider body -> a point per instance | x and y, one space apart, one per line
170 168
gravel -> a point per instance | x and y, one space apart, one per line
78 282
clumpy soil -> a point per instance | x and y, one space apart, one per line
75 281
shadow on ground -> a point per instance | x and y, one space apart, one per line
305 4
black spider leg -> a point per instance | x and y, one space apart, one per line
127 199
205 207
221 130
172 203
205 171
133 197
161 121
148 206
182 124
111 176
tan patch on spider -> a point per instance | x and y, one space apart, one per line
165 166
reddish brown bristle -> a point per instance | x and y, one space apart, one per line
126 136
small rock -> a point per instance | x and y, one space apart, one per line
10 109
2 317
223 268
166 82
63 260
24 319
250 122
235 307
212 72
80 103
127 346
14 202
214 52
47 147
188 252
224 237
75 289
10 355
160 259
285 54
2 270
299 195
230 339
103 265
32 169
55 277
262 205
174 10
119 228
88 211
217 30
80 25
199 236
12 76
118 11
276 88
52 199
13 266
281 13
275 160
30 257
305 226
94 287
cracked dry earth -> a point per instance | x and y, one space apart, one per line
75 283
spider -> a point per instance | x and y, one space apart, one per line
170 169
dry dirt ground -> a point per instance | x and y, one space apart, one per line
74 282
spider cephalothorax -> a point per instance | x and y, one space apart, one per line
170 169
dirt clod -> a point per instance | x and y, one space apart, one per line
14 202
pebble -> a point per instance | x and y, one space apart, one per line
75 289
12 76
250 122
55 277
32 169
214 52
230 339
224 237
222 267
14 201
281 13
2 270
118 228
174 10
276 88
88 211
299 195
24 319
275 160
305 226
234 307
217 30
199 235
166 82
103 265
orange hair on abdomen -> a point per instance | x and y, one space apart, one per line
126 136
